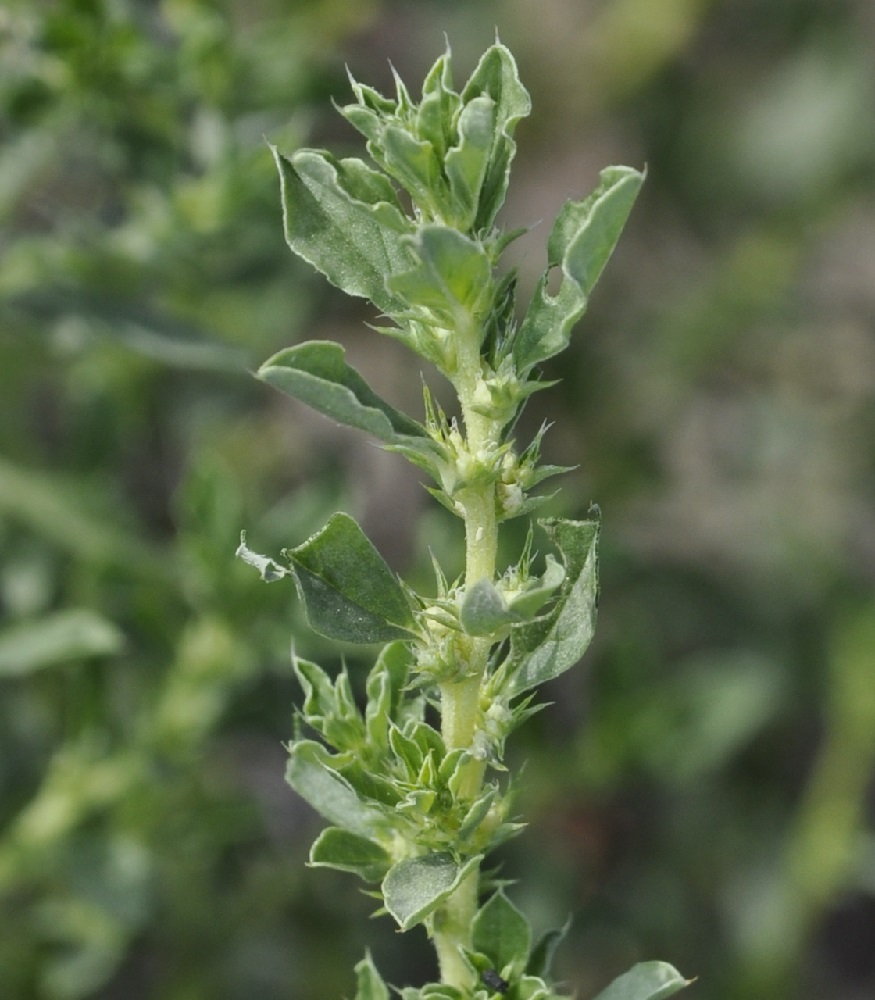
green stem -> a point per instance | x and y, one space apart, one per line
460 700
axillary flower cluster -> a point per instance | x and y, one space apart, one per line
414 808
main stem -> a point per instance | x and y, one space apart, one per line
460 700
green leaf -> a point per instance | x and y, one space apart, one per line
311 772
467 162
348 590
73 634
583 238
496 76
415 887
349 852
439 106
541 959
483 610
528 602
412 162
645 981
370 985
502 933
548 646
316 373
452 276
353 242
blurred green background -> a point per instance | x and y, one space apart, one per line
701 790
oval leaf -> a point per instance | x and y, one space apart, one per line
416 887
349 852
355 244
484 610
348 590
645 981
502 933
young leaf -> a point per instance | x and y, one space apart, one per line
354 243
316 373
370 985
502 932
645 981
348 590
417 886
548 646
311 772
467 162
583 238
497 77
452 277
483 610
349 852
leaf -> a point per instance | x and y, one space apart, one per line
348 590
583 238
497 77
541 959
316 373
548 646
483 610
56 638
452 276
528 602
370 985
502 933
353 242
415 887
349 852
467 162
645 981
311 772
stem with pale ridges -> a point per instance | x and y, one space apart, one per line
460 700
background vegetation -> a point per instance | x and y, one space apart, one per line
704 784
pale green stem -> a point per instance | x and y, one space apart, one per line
460 701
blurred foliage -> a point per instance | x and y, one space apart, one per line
705 783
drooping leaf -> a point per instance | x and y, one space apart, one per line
645 981
583 238
316 373
348 591
73 634
311 772
415 887
370 985
350 852
548 646
502 932
354 243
